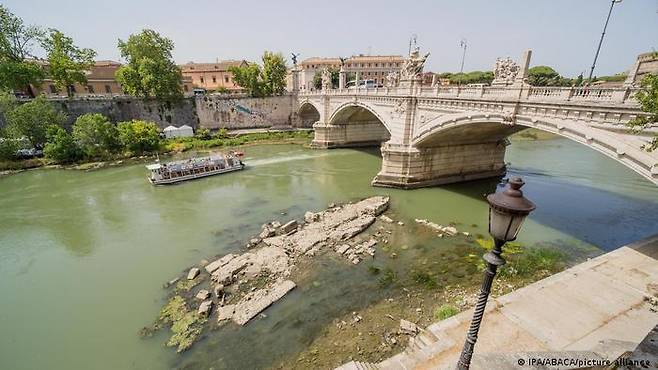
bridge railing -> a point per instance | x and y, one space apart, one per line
513 93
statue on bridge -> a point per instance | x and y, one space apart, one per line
505 71
413 65
326 79
294 59
392 79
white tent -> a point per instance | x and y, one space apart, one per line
183 131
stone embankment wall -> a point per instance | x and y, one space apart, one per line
216 111
207 111
125 109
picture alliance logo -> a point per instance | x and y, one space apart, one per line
580 362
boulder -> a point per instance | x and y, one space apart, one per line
225 313
267 232
341 249
408 327
386 219
288 227
255 302
311 217
450 230
203 294
193 273
218 290
205 307
211 267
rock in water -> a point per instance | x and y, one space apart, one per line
211 267
288 227
225 313
205 307
203 294
255 302
193 273
386 219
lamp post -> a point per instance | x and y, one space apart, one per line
598 49
507 210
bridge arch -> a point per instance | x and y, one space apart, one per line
352 124
478 127
308 114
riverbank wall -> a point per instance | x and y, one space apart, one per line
205 111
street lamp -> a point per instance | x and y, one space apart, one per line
598 49
507 211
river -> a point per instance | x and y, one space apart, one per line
83 255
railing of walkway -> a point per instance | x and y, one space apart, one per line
577 94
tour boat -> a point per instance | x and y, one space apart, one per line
194 168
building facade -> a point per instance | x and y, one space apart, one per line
212 76
369 67
101 82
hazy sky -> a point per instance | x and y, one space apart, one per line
561 33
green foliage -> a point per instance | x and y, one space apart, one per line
222 90
16 42
335 78
186 325
534 261
95 135
151 70
32 119
7 102
263 81
423 278
249 78
203 134
374 270
445 311
546 76
183 144
139 136
474 77
508 248
274 73
61 146
222 133
67 63
388 277
648 99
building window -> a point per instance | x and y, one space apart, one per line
226 79
72 89
53 89
108 89
90 89
214 80
184 88
201 79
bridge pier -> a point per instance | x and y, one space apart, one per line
353 134
407 167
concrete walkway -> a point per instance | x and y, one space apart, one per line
598 309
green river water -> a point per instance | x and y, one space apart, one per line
83 255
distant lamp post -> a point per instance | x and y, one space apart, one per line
507 211
598 49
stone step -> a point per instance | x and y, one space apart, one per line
357 365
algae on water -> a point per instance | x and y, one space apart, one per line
186 325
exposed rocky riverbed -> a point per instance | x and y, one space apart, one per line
238 287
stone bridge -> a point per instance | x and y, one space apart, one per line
432 135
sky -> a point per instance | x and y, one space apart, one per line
561 33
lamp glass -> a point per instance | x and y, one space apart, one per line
503 225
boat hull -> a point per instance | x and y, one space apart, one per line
194 176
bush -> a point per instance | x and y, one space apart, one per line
445 311
139 136
95 135
8 148
61 146
203 134
32 119
222 133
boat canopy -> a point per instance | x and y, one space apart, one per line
154 166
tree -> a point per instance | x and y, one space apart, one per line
274 73
139 136
16 42
266 81
648 99
95 135
150 71
61 146
31 120
249 78
546 76
67 63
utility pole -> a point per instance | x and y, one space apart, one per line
462 44
598 49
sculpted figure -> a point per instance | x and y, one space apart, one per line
413 65
326 79
392 79
505 71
